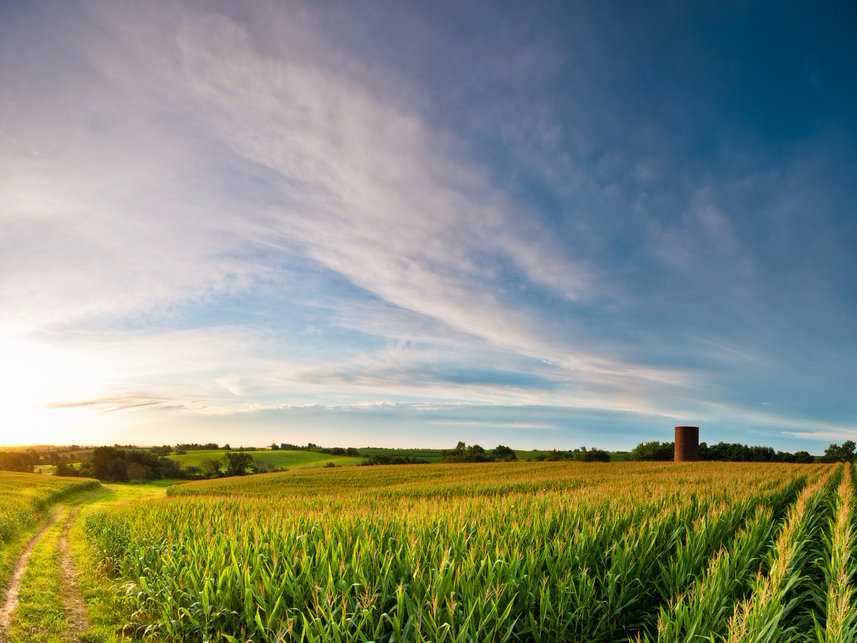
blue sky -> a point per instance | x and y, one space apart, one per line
408 224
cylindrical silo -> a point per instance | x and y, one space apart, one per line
686 443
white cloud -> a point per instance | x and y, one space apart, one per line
194 156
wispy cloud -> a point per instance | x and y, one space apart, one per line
250 209
114 402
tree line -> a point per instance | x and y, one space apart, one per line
475 453
311 446
735 452
578 455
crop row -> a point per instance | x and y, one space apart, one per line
596 560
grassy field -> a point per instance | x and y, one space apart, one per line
276 459
58 594
534 551
24 497
429 455
291 459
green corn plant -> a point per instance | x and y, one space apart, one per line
766 614
704 609
499 552
840 615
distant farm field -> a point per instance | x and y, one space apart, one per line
276 459
525 551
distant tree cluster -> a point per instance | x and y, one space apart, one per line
181 449
839 452
311 446
722 451
24 461
193 446
113 464
27 460
652 451
475 453
340 451
383 458
234 463
579 455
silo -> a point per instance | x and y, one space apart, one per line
686 443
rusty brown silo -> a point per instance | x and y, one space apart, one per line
686 443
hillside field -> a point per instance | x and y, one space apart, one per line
522 551
276 459
291 459
511 551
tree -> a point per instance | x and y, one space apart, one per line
19 461
211 468
840 453
591 455
139 471
108 463
653 451
275 447
237 463
502 452
65 469
464 453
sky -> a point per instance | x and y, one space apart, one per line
407 224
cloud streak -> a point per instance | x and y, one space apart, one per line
249 209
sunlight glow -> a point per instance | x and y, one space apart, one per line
32 377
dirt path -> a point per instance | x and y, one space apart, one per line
10 601
75 609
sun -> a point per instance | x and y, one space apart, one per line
33 376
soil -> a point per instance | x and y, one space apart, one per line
10 601
75 609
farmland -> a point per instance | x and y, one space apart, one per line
501 551
275 459
507 551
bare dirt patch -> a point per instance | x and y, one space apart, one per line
10 601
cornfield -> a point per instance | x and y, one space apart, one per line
492 552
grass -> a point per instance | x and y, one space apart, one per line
101 594
23 500
40 616
34 500
430 455
294 459
501 551
276 459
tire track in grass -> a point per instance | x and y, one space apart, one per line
10 601
39 616
75 609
